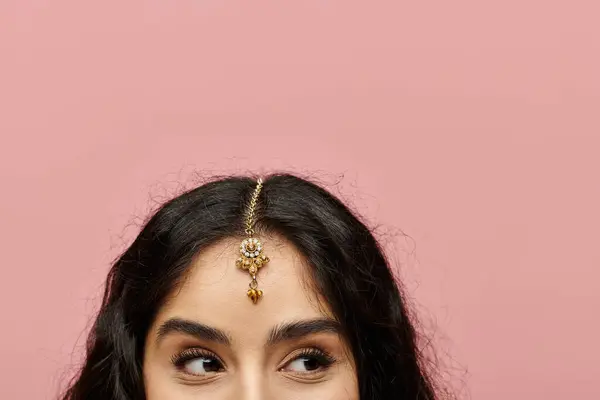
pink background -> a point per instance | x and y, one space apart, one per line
473 126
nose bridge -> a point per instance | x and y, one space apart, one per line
253 382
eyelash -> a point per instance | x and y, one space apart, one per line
186 355
323 358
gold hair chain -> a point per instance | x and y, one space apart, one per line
252 257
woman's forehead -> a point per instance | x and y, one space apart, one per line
214 290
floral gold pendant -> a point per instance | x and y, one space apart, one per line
252 259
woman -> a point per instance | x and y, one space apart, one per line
247 290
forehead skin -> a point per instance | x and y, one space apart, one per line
214 291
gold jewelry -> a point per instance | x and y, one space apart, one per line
251 249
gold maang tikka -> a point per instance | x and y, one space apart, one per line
252 257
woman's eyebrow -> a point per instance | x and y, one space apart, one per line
196 329
298 329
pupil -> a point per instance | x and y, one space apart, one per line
311 364
211 366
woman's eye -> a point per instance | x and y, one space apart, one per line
312 361
202 366
197 362
304 364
